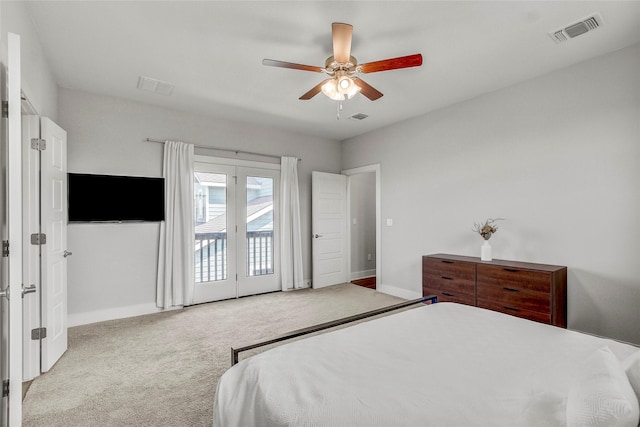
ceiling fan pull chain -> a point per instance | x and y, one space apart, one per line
339 109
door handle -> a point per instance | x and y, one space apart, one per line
5 293
67 253
28 290
317 235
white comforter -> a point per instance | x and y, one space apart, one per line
438 365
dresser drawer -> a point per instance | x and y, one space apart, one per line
449 268
449 284
446 296
519 299
539 281
519 312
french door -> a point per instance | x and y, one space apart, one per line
236 236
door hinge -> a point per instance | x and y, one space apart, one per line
38 333
5 248
5 109
38 239
38 144
5 388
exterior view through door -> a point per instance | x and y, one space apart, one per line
236 228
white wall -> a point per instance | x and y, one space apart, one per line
37 81
112 272
557 156
362 212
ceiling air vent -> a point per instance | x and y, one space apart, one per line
155 85
577 28
359 116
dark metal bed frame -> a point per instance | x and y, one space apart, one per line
327 325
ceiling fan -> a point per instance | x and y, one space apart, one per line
342 68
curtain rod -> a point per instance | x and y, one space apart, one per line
224 149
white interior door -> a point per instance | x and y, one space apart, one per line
31 253
4 235
329 228
236 230
53 224
12 233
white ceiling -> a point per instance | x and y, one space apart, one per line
212 52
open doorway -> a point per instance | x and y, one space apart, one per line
363 226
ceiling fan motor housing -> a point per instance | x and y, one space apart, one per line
331 65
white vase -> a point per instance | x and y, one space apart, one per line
485 251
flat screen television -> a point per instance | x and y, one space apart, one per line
114 198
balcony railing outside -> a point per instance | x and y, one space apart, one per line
211 255
259 253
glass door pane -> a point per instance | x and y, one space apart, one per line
259 220
211 226
214 244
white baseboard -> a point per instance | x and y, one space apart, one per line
115 313
362 274
398 292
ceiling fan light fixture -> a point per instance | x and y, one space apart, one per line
344 83
340 88
330 89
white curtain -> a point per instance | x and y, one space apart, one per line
290 234
176 256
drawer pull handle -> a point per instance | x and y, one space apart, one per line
511 289
446 278
512 270
447 294
511 308
447 261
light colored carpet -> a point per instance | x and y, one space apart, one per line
163 369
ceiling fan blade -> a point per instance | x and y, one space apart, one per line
341 41
392 64
366 89
314 91
282 64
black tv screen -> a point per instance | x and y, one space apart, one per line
114 198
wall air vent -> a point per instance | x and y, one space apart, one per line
577 28
155 86
359 116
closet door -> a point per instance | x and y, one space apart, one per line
54 253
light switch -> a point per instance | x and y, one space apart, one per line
389 222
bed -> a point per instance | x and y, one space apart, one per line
442 364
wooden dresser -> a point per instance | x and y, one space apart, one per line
533 291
